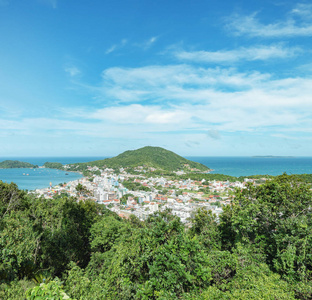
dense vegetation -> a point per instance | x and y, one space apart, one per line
307 178
260 248
210 176
53 165
154 157
10 164
135 186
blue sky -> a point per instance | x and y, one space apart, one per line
204 77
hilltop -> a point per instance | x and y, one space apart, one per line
11 164
153 157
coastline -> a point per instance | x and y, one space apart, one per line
39 178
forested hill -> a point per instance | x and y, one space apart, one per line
155 157
10 164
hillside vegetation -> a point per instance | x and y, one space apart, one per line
53 165
11 164
154 157
259 248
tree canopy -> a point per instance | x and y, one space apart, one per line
258 248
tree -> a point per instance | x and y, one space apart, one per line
82 190
18 247
205 228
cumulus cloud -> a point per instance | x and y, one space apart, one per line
222 99
187 101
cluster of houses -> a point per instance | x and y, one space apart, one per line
183 197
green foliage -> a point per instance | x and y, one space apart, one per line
88 173
42 277
107 232
10 164
252 283
53 165
135 186
15 290
47 291
124 198
259 248
210 177
275 216
11 199
305 177
18 244
205 228
42 234
65 233
82 190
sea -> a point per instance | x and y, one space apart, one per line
31 179
234 166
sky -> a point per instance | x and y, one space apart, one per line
200 78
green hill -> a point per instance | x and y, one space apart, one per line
11 164
154 157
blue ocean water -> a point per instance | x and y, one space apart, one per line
41 178
243 166
234 166
36 178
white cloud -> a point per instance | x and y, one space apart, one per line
174 82
249 54
205 99
303 10
139 114
291 27
159 101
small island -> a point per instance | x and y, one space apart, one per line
15 164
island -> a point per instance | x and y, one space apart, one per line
14 164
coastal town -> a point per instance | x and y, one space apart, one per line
142 195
